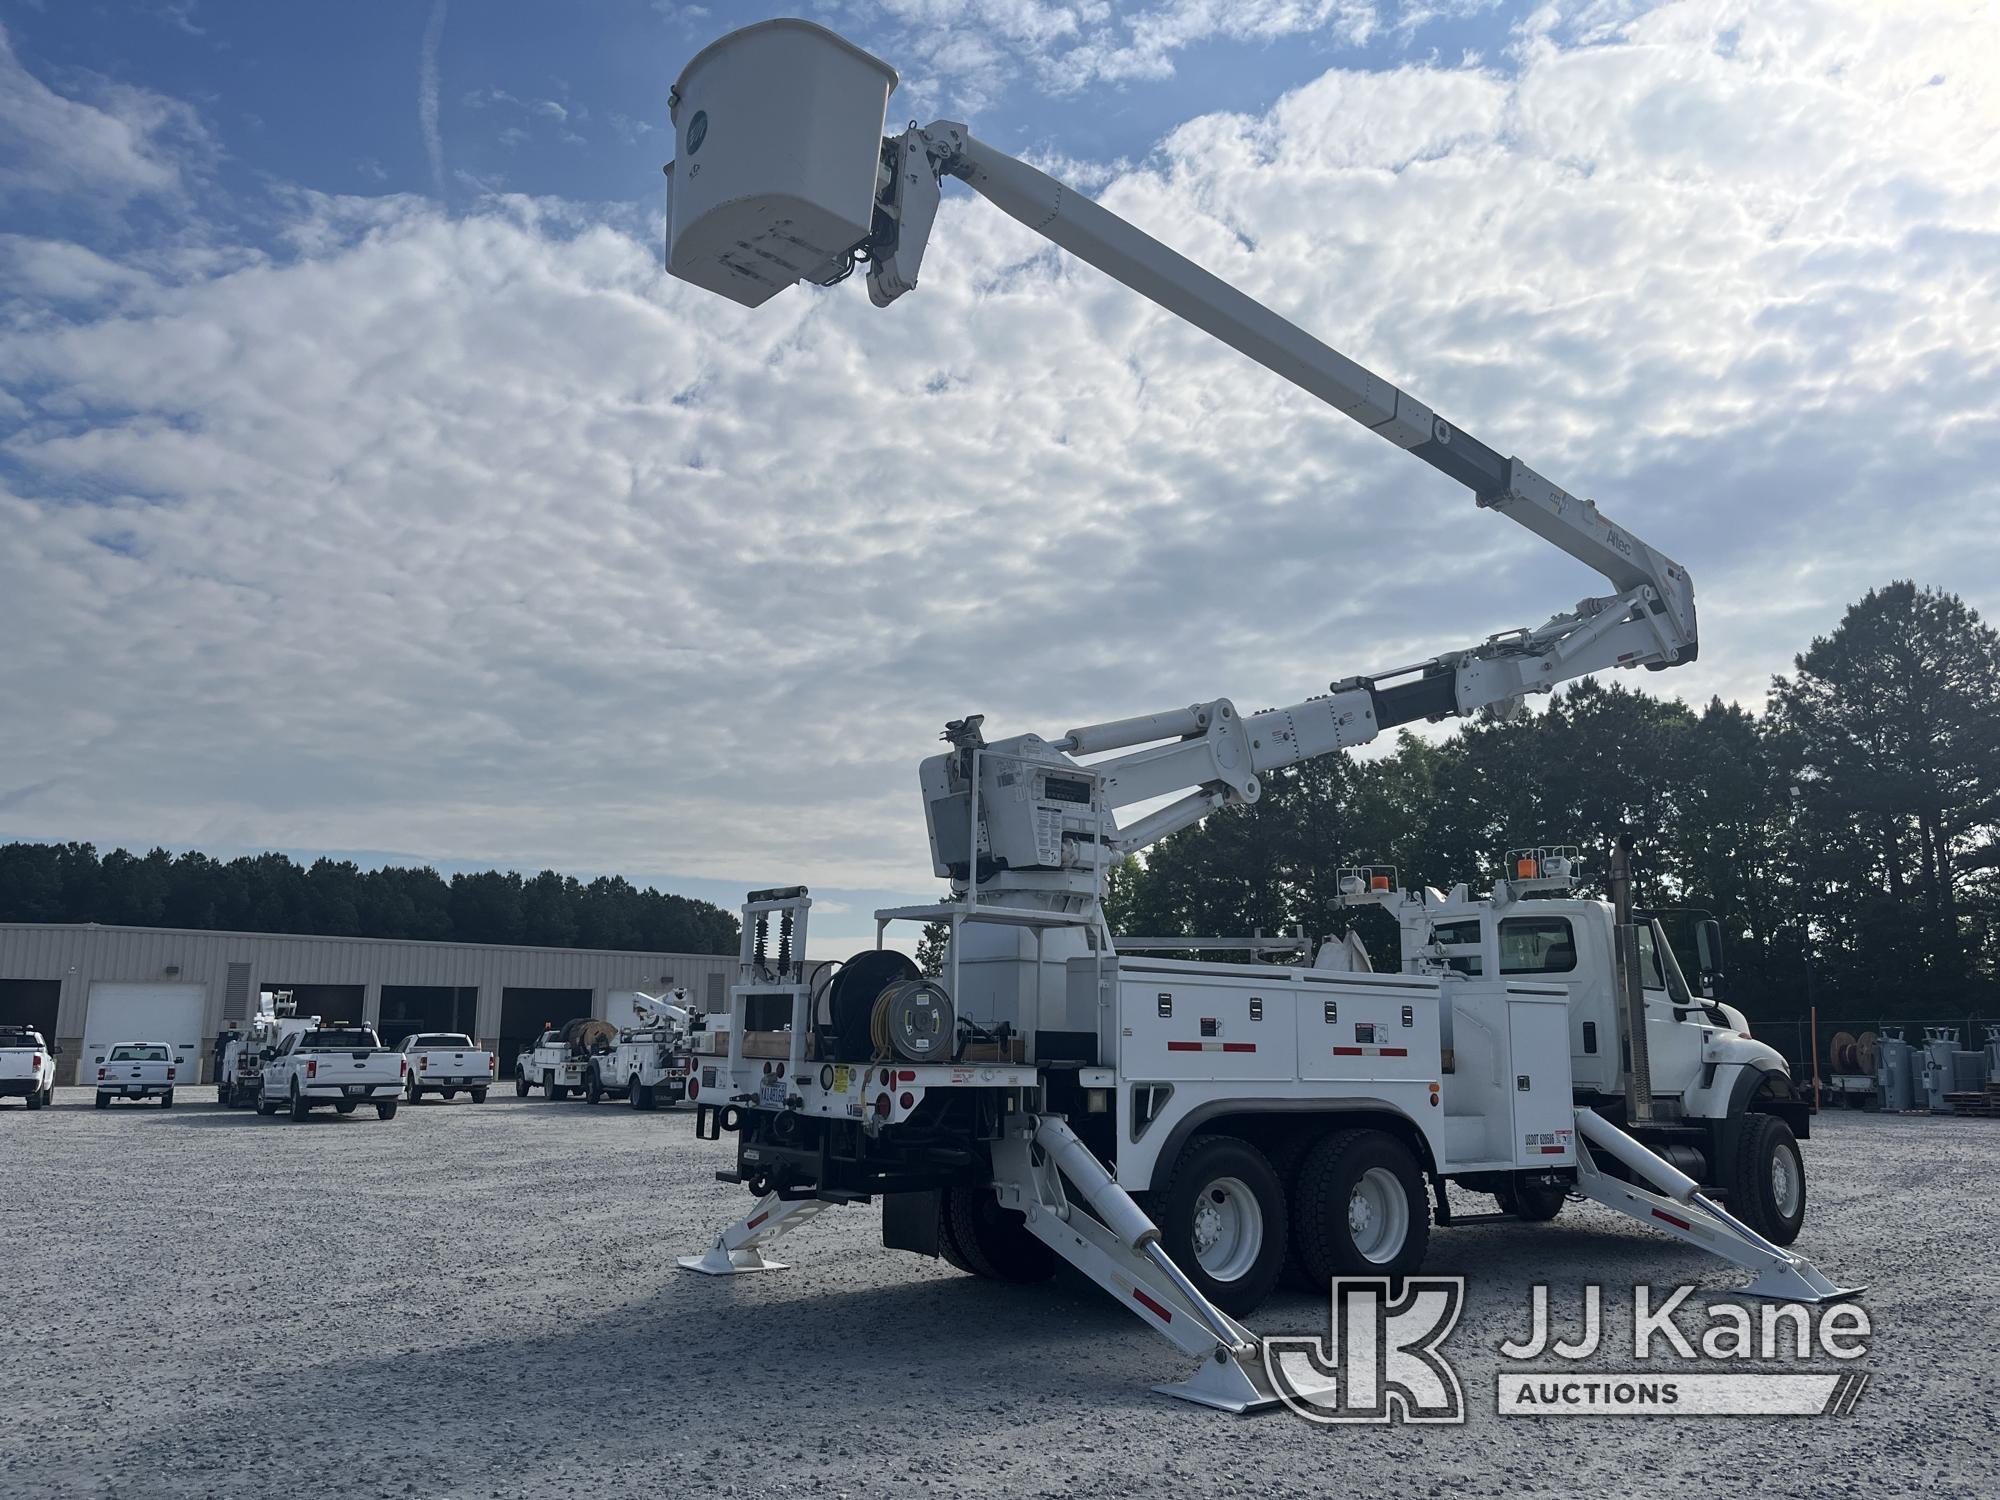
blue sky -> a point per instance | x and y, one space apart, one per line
366 488
557 99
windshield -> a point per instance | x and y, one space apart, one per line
138 1054
444 1039
340 1039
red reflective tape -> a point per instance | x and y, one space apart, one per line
1677 1223
1395 1051
756 1221
1239 1046
1346 1051
1184 1046
1151 1306
1558 1151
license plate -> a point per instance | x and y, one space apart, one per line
356 1088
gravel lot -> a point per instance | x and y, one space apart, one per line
482 1300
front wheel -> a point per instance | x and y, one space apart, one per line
1222 1218
478 1096
1361 1208
1767 1183
266 1106
520 1085
593 1087
385 1109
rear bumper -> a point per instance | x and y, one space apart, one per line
340 1093
448 1081
19 1088
134 1090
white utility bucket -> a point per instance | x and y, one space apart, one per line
777 142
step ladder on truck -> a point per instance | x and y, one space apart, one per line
1008 1110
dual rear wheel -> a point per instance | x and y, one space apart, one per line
1352 1203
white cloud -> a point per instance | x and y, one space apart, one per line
961 54
101 143
475 537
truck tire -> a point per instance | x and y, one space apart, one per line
478 1096
167 1099
520 1085
593 1087
1533 1202
33 1098
632 1092
992 1241
299 1108
266 1106
947 1239
1767 1180
1222 1218
558 1091
103 1101
643 1096
385 1109
410 1089
1361 1208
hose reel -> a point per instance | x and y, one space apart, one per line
916 1019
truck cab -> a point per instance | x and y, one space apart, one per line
1703 1055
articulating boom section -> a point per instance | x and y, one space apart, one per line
802 185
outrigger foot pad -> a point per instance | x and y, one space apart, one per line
717 1261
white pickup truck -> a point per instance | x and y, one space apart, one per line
345 1066
138 1070
27 1066
443 1062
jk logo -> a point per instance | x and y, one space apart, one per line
1380 1360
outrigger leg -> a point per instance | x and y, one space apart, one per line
738 1249
1687 1213
1119 1249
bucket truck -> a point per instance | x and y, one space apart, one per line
648 1063
1176 1130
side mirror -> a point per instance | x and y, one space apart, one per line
1708 953
268 1053
55 1050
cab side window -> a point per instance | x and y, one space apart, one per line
1650 974
1537 945
1459 942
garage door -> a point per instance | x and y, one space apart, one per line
169 1013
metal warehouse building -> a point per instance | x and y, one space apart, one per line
85 987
